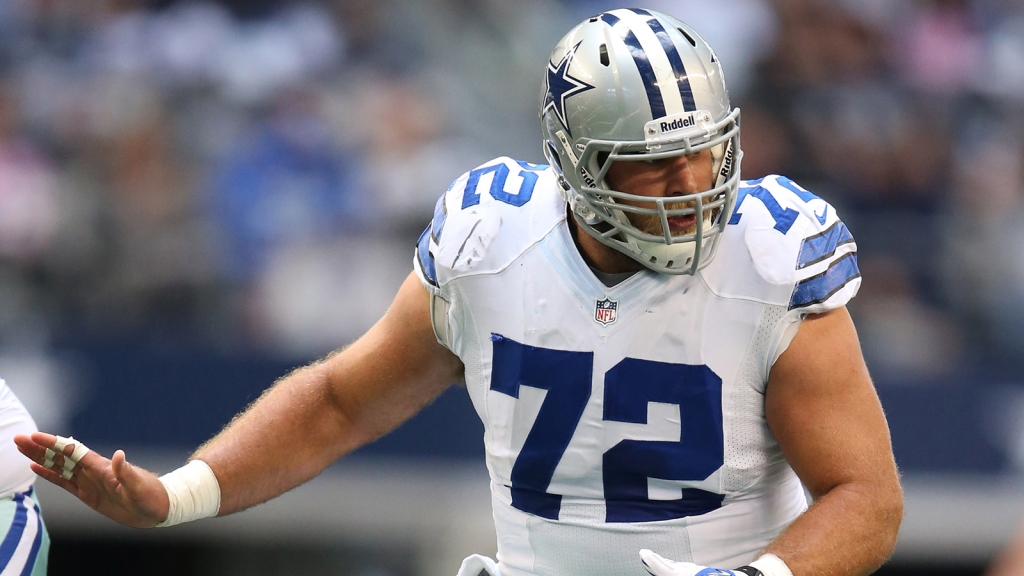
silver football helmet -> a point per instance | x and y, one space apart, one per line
638 85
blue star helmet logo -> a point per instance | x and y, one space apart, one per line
562 85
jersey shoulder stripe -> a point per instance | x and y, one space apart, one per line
823 245
820 287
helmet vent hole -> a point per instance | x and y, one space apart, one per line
553 155
670 263
654 260
688 37
594 18
604 55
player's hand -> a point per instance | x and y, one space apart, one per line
114 488
659 566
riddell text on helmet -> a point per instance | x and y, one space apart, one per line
678 123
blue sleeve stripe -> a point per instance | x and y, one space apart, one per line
426 259
440 215
822 246
821 287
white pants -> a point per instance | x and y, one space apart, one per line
24 543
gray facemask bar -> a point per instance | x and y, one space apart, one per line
600 201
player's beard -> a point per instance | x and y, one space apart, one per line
651 223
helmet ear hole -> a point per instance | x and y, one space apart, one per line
553 154
688 37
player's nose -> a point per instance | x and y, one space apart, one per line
681 177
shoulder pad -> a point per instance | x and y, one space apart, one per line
486 219
787 246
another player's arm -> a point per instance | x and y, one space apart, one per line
305 422
823 410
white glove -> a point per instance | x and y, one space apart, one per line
659 566
477 565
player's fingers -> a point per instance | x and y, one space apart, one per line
44 439
54 478
29 447
124 472
67 457
35 444
659 566
40 453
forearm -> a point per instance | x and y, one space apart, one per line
296 429
287 437
851 530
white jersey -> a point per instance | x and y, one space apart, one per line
627 417
15 475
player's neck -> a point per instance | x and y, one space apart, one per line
599 256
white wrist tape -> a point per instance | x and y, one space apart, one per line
771 565
193 492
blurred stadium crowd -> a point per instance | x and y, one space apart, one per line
253 175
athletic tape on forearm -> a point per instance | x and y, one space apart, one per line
771 565
193 492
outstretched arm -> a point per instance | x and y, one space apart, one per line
302 424
823 410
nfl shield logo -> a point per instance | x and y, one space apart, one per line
605 311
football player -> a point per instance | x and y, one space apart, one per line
24 542
660 352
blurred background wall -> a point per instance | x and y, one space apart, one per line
197 196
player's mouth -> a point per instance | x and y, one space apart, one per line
682 223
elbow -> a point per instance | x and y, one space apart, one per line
889 514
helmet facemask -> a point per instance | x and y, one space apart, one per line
604 212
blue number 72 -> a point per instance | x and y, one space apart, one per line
629 386
471 196
784 217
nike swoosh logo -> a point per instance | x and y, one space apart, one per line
821 217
